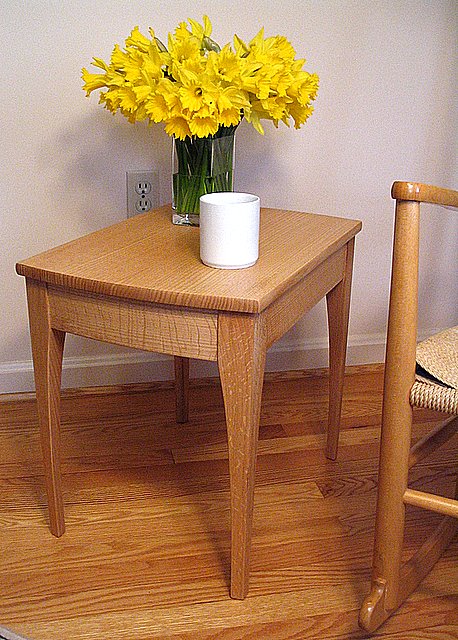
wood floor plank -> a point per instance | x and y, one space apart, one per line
146 551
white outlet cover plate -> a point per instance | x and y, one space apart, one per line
135 198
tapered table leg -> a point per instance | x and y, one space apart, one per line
47 351
338 306
181 388
241 361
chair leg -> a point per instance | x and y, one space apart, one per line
374 610
396 420
392 582
413 571
390 518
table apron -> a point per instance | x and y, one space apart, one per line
284 312
140 325
178 331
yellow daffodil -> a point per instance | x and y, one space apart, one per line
198 89
203 126
224 65
157 108
201 31
185 50
241 49
93 81
129 64
182 32
138 40
178 127
229 117
192 96
232 98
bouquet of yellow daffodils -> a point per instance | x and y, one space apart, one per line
201 91
195 87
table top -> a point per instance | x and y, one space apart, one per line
147 258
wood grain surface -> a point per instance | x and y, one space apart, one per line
146 553
133 324
147 258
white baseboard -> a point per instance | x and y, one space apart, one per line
111 369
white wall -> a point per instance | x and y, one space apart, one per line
385 111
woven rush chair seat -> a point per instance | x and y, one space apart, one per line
427 395
436 380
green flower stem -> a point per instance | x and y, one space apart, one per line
202 165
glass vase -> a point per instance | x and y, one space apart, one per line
200 166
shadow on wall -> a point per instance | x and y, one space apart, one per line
256 162
89 157
84 165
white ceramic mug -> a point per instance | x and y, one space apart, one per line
229 229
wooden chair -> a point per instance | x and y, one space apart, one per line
392 580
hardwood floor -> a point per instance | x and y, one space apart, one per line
146 551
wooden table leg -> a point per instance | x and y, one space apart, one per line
241 361
181 388
338 306
47 351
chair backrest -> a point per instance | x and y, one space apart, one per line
402 322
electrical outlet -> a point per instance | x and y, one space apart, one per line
142 191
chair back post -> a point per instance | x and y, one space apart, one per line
399 377
403 310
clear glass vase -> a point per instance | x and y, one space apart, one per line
200 166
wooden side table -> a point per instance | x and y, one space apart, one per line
140 283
